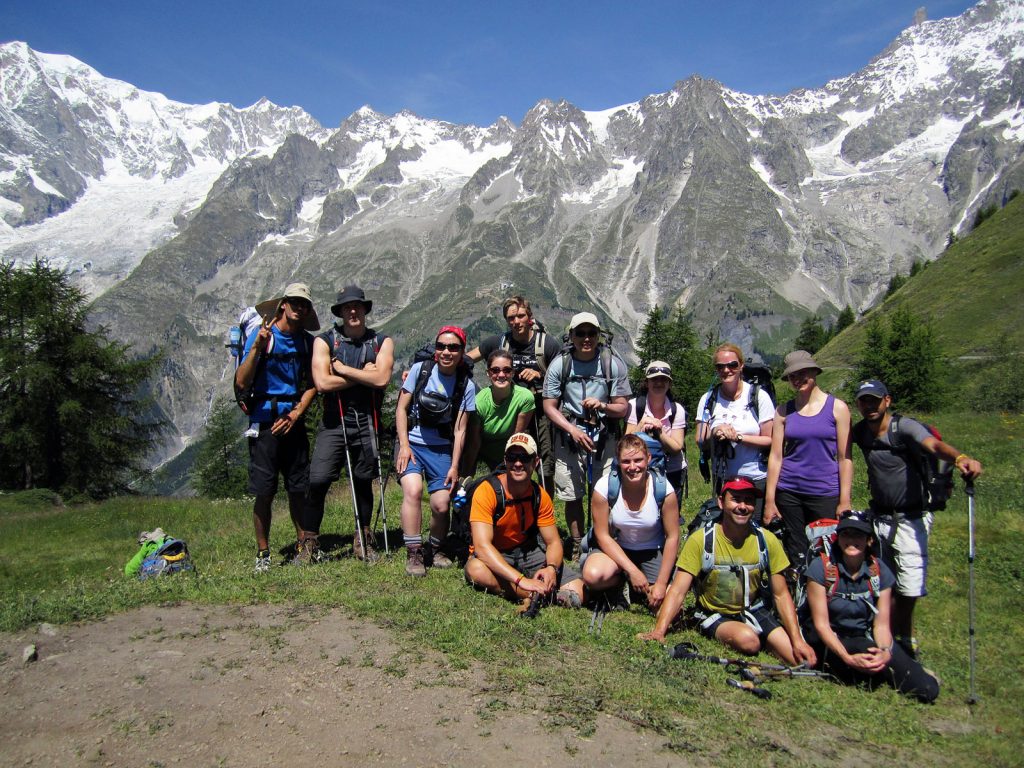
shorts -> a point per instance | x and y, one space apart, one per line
433 461
571 466
761 620
270 454
647 560
907 554
329 456
531 559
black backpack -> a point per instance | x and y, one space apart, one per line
460 535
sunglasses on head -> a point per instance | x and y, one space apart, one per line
732 365
497 371
658 372
440 346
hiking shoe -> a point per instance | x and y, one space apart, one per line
435 557
414 565
308 551
262 562
568 599
368 553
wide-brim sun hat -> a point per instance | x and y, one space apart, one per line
800 360
268 308
351 293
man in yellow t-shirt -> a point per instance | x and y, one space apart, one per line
506 556
737 572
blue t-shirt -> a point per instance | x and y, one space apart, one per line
280 373
440 383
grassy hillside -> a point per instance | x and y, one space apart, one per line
973 295
65 564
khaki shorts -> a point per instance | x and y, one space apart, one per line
907 556
571 466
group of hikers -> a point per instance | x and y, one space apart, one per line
778 560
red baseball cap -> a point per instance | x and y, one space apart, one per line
744 484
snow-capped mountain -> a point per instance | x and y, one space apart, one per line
748 210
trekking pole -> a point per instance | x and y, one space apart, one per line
972 697
352 485
381 480
746 685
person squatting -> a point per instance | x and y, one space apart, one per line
777 559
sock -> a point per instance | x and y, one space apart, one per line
412 541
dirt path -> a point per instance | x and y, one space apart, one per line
257 685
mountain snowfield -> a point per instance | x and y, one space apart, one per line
750 211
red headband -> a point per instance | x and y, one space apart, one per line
452 329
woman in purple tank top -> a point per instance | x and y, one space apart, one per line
810 467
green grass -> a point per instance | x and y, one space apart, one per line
971 295
66 564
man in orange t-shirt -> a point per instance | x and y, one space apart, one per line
520 553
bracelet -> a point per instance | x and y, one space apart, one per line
518 580
550 565
961 456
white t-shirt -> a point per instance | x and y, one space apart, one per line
748 459
637 529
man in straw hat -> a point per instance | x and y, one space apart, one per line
275 368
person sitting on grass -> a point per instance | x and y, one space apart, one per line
737 568
516 551
850 599
637 538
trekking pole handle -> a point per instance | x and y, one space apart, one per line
969 487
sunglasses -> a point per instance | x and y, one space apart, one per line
659 371
299 304
442 347
498 371
517 458
585 334
732 365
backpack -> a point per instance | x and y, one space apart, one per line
821 535
605 354
462 502
708 565
436 409
934 473
334 339
539 337
171 556
247 398
708 513
661 489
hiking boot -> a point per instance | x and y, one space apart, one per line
308 551
262 562
435 557
414 565
367 552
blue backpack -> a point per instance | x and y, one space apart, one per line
170 557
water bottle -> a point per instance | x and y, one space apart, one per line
459 502
235 344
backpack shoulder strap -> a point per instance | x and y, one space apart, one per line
874 577
660 488
494 481
762 552
671 413
831 574
712 401
708 557
752 401
641 406
614 487
566 361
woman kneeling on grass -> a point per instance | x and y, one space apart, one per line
850 597
636 538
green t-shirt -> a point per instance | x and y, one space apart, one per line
498 422
721 591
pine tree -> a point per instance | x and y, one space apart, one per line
71 415
812 336
903 353
674 341
845 320
219 470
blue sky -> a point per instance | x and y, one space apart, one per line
466 62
